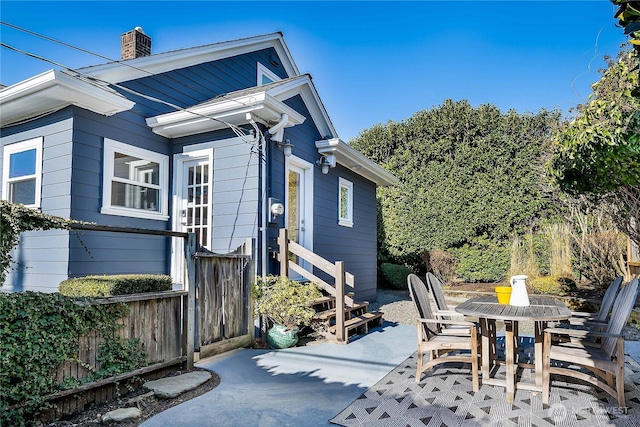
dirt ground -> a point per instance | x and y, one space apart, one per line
148 405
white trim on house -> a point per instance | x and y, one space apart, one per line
215 114
53 90
116 72
304 87
307 170
19 147
356 161
347 219
191 153
110 148
263 72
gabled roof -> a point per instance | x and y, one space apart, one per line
264 102
121 71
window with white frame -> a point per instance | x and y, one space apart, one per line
345 202
266 76
22 172
135 182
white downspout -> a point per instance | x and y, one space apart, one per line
277 130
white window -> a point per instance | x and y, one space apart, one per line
135 182
22 172
345 202
266 76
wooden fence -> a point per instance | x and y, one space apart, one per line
165 322
225 317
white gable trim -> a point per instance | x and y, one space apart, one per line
304 87
351 158
116 72
214 115
53 90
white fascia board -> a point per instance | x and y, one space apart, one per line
121 71
53 90
304 87
213 115
352 159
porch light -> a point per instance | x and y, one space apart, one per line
286 147
326 162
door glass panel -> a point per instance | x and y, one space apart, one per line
197 201
294 206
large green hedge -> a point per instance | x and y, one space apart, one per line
465 172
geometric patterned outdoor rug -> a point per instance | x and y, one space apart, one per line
444 397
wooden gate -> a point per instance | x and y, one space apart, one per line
223 301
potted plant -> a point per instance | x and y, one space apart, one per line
287 303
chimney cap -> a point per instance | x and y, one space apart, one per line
139 29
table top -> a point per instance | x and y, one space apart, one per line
541 309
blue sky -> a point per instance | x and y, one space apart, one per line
371 61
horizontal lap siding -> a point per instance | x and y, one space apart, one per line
356 245
198 83
235 194
105 252
40 260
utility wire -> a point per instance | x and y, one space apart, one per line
240 132
106 58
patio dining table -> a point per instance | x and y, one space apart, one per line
487 309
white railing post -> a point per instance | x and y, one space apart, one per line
340 279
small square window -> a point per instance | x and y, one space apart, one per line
22 172
135 181
345 203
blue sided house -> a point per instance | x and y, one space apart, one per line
227 140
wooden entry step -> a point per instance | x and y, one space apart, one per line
361 321
328 315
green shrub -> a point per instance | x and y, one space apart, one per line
40 331
394 275
106 286
286 302
484 261
553 285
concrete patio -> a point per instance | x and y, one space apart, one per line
302 386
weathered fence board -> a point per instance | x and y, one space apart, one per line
223 297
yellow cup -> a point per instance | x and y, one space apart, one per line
503 293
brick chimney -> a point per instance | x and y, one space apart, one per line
135 44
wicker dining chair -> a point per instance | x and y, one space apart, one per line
461 346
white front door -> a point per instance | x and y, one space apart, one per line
299 206
192 203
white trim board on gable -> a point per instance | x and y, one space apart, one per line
116 72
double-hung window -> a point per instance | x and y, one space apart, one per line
345 202
22 172
135 182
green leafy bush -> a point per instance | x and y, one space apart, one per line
484 261
40 331
553 285
286 302
106 286
394 275
14 219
